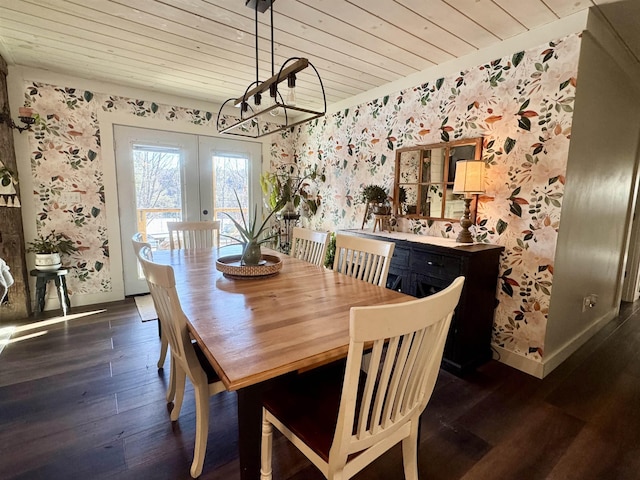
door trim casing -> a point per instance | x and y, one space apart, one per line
107 120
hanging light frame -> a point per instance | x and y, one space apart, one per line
248 124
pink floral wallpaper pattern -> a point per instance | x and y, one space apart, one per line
522 105
66 158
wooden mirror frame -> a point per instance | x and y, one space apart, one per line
423 188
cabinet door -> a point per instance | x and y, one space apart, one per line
398 278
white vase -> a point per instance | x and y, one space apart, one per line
48 261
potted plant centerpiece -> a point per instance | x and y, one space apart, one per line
250 233
48 249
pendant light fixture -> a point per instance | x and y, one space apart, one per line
277 103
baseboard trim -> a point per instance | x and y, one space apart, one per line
519 362
556 358
545 367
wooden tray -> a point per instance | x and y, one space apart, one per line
231 268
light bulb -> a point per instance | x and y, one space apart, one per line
291 93
273 93
291 96
276 111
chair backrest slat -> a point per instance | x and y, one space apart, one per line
408 342
161 281
309 245
138 242
363 258
190 235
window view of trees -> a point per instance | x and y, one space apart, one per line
231 175
158 188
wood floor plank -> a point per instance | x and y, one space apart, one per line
85 400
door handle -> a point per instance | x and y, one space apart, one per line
205 212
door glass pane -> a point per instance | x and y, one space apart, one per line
230 174
158 191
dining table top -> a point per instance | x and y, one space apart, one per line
253 330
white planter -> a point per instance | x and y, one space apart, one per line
48 262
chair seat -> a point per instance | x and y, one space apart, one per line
212 376
309 404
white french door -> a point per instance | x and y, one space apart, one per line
167 176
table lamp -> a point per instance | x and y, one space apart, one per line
468 181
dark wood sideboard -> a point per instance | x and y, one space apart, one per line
421 269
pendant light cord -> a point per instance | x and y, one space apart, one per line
257 76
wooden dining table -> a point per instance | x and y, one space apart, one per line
259 330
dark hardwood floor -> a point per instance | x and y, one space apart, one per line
83 399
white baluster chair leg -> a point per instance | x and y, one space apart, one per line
267 447
180 384
202 428
335 473
410 452
171 389
164 346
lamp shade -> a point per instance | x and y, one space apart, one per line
469 177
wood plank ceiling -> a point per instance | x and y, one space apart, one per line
205 49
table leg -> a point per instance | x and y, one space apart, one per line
62 294
65 293
41 291
250 430
250 426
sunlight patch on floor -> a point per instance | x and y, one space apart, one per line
5 336
20 333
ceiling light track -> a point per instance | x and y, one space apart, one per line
255 118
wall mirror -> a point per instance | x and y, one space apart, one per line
423 185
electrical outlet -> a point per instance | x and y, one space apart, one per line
589 301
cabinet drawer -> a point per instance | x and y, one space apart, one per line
433 264
400 258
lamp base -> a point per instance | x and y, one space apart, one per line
464 237
465 222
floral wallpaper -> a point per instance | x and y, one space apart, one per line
66 159
522 104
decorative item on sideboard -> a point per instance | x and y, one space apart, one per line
376 200
469 181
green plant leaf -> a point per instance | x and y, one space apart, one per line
524 123
517 58
509 143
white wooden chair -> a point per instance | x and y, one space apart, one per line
309 245
190 235
138 244
343 424
188 359
363 258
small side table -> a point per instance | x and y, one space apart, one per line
381 222
290 220
58 276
